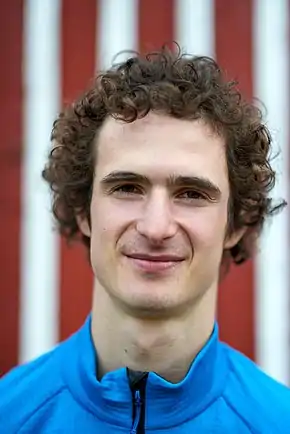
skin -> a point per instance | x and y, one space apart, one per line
159 215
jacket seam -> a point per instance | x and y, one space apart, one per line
232 407
240 416
41 405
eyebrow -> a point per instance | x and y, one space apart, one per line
201 183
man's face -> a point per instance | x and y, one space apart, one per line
158 212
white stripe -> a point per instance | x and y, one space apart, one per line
271 78
117 30
194 26
39 245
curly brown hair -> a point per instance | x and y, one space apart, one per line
184 87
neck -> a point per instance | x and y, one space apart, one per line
164 346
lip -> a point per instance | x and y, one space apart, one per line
154 263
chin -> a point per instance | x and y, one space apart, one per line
152 300
147 311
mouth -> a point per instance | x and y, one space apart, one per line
154 263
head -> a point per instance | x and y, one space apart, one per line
162 170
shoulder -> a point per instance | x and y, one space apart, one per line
259 400
26 389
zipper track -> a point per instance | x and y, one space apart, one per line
137 406
137 381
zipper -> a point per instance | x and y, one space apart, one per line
137 408
137 381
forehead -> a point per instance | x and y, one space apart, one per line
160 145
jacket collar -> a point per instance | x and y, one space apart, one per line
167 404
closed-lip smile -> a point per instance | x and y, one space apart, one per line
156 258
152 263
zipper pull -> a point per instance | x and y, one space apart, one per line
137 405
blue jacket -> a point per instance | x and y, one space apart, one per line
223 393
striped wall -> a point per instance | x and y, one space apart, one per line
50 49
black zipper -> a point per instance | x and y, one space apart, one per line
137 381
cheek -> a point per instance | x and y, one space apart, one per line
110 218
207 228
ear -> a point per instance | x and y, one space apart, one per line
234 238
83 225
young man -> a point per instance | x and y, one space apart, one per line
162 169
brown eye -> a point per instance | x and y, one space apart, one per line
127 189
191 195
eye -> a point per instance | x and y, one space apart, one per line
192 195
127 189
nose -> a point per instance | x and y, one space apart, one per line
157 223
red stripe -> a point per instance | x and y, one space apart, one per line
155 24
10 169
234 52
78 65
